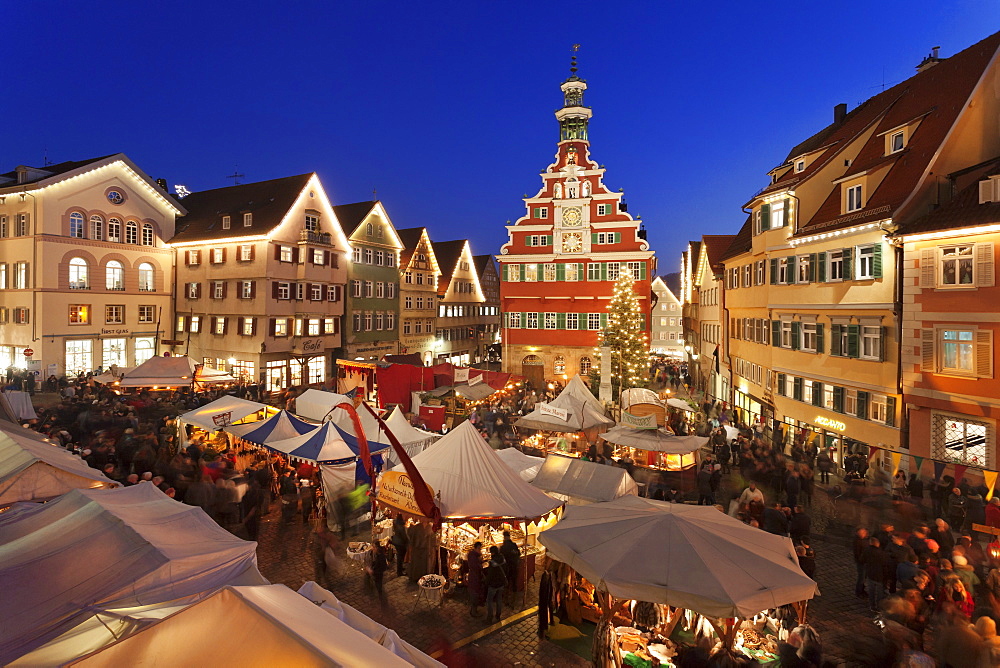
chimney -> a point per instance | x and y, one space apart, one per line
931 60
839 112
162 183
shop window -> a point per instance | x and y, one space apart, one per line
961 440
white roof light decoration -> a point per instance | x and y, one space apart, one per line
837 233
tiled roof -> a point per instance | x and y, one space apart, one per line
49 171
410 237
351 215
483 261
268 201
716 245
673 282
963 210
448 254
742 242
936 96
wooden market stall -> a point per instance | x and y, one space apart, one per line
569 423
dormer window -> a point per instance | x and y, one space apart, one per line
312 222
896 142
989 190
800 166
226 222
247 219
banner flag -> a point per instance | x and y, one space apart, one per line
919 461
897 458
959 472
938 469
872 452
991 480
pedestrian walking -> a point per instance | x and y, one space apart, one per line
496 582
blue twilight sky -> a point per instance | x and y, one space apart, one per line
446 108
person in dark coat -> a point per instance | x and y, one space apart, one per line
876 563
799 525
512 559
793 486
860 545
475 583
399 542
915 488
705 497
775 521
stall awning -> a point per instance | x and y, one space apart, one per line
654 440
584 481
222 412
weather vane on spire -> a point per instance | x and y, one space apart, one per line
572 69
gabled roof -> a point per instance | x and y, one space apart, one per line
964 210
410 237
715 246
935 97
742 242
482 262
673 283
41 173
268 201
351 215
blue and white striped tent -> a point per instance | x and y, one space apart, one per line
279 426
323 445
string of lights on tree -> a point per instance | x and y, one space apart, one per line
626 336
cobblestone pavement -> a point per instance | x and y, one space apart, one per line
845 625
284 557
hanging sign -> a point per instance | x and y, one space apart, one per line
475 380
546 409
638 421
396 489
461 375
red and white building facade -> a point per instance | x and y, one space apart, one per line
562 258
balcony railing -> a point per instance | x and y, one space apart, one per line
316 237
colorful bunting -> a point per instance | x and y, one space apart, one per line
919 461
991 480
872 451
959 472
897 458
938 469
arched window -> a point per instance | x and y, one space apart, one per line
146 283
115 276
145 347
114 230
560 365
79 274
532 360
147 235
584 366
76 225
131 233
370 229
96 228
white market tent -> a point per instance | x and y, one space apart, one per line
366 625
524 465
654 440
224 411
20 404
471 481
33 470
639 395
584 411
583 482
674 402
413 440
269 625
167 372
316 404
102 550
691 557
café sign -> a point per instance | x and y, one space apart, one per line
830 423
396 489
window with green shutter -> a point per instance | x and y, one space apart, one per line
540 271
781 384
796 335
848 265
797 388
785 212
560 272
821 267
862 411
812 268
593 238
820 343
877 260
836 336
582 321
882 343
765 217
560 321
618 237
776 333
890 411
838 398
642 271
774 271
504 269
853 340
604 271
522 271
604 321
817 393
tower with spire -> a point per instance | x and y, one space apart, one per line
563 256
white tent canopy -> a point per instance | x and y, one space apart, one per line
413 440
691 557
268 625
674 402
33 470
20 403
168 372
654 440
583 409
316 404
524 465
583 481
366 625
93 550
472 481
213 415
639 395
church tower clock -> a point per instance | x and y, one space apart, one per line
563 256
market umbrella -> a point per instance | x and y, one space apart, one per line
323 445
654 440
674 402
278 427
691 557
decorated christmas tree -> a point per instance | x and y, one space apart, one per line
625 335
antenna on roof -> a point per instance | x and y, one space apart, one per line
236 176
374 194
45 157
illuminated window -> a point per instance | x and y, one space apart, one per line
147 313
79 314
114 230
131 233
146 275
585 366
76 225
114 314
79 278
96 228
114 276
147 234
